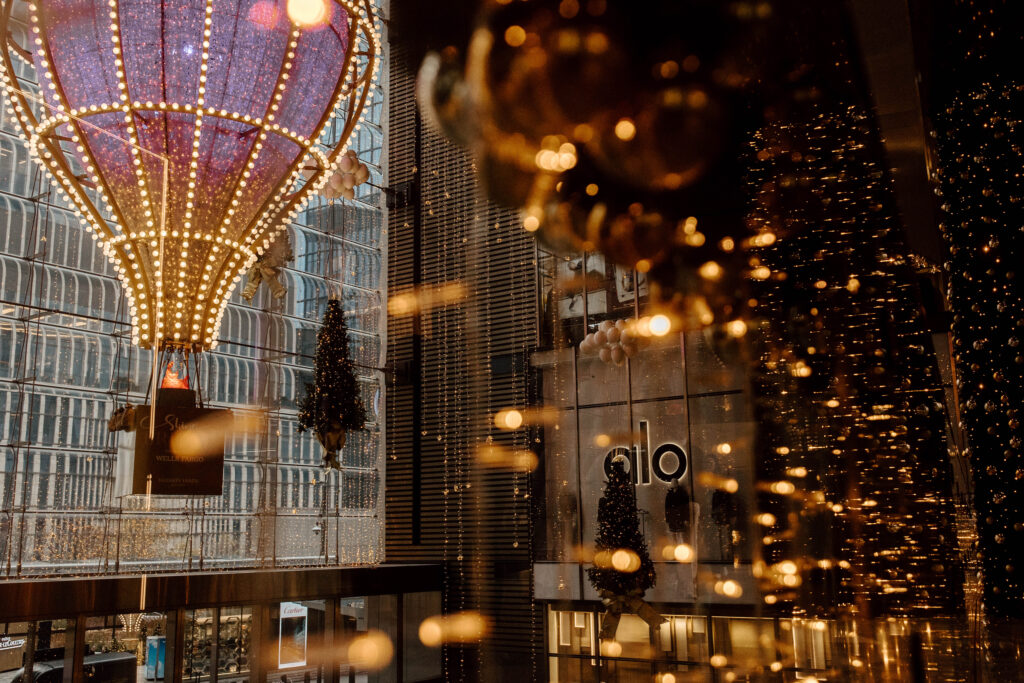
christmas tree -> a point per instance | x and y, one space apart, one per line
621 577
332 405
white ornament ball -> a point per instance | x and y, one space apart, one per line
618 355
613 335
605 354
308 171
606 325
330 192
600 338
336 182
348 193
620 324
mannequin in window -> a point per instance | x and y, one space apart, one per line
729 515
680 511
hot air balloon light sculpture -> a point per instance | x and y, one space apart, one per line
186 134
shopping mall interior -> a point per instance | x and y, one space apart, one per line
511 340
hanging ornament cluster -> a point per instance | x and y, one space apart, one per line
180 143
269 269
617 128
350 174
613 342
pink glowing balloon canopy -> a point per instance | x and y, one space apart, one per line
198 115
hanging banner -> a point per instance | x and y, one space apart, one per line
291 651
185 457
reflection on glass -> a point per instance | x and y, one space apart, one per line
744 642
198 641
684 638
233 644
41 641
571 633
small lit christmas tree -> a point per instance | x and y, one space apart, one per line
620 577
332 405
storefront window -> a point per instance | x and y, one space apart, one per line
39 644
198 644
743 645
684 639
571 633
234 644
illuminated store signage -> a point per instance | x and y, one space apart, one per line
667 463
291 650
8 643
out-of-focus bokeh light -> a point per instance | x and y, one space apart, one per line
625 561
515 35
508 419
309 12
625 129
370 651
205 436
683 553
494 455
460 627
426 298
660 325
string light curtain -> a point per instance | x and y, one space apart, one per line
851 407
855 481
235 95
978 104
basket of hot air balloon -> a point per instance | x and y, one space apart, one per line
186 135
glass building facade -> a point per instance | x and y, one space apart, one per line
67 362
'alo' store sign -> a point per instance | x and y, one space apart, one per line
667 463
